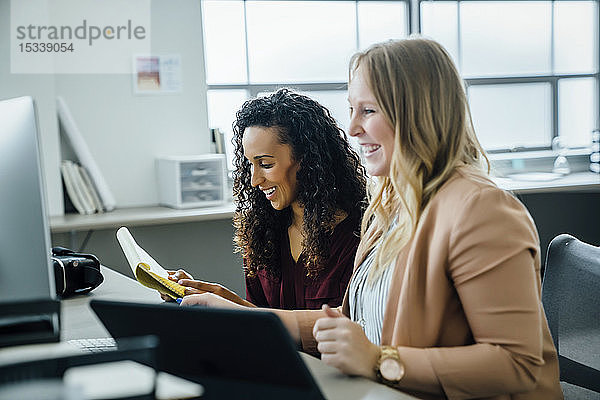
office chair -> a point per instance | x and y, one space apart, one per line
571 298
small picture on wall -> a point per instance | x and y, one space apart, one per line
148 75
154 74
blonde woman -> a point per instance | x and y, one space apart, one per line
444 301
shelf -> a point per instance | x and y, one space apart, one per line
138 216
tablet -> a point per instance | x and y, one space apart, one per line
232 353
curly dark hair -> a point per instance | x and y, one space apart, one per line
330 178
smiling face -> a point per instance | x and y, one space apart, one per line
272 165
369 126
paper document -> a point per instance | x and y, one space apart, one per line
145 268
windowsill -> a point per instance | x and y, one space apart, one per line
505 164
574 182
539 154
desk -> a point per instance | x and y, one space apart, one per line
78 321
575 182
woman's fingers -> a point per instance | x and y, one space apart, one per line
327 347
178 275
208 300
334 319
325 335
200 285
165 297
190 290
344 345
196 299
330 312
324 323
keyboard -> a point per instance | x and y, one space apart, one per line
94 345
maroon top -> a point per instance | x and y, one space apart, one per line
294 290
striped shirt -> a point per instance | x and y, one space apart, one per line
368 300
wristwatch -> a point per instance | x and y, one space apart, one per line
389 368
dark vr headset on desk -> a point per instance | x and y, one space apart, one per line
75 273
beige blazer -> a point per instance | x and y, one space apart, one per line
464 305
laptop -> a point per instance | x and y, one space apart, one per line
232 353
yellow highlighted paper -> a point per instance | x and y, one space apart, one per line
145 269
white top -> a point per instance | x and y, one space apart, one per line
368 300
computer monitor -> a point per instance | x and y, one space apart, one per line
26 273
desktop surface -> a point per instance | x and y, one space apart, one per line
78 321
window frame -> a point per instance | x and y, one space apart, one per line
552 78
413 23
254 89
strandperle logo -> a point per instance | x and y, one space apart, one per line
91 33
78 36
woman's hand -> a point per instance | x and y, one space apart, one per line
209 300
344 345
179 274
199 287
175 276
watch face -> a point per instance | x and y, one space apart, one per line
391 369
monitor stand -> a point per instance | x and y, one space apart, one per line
27 322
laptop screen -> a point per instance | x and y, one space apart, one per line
236 352
25 269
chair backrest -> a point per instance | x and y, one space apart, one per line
571 298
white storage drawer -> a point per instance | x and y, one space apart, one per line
192 181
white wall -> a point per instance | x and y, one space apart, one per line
124 132
42 88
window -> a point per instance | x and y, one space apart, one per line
531 67
301 44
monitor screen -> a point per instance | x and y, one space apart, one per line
26 273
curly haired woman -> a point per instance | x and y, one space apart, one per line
299 190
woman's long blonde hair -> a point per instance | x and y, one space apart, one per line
421 94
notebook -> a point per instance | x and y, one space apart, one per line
232 353
145 268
